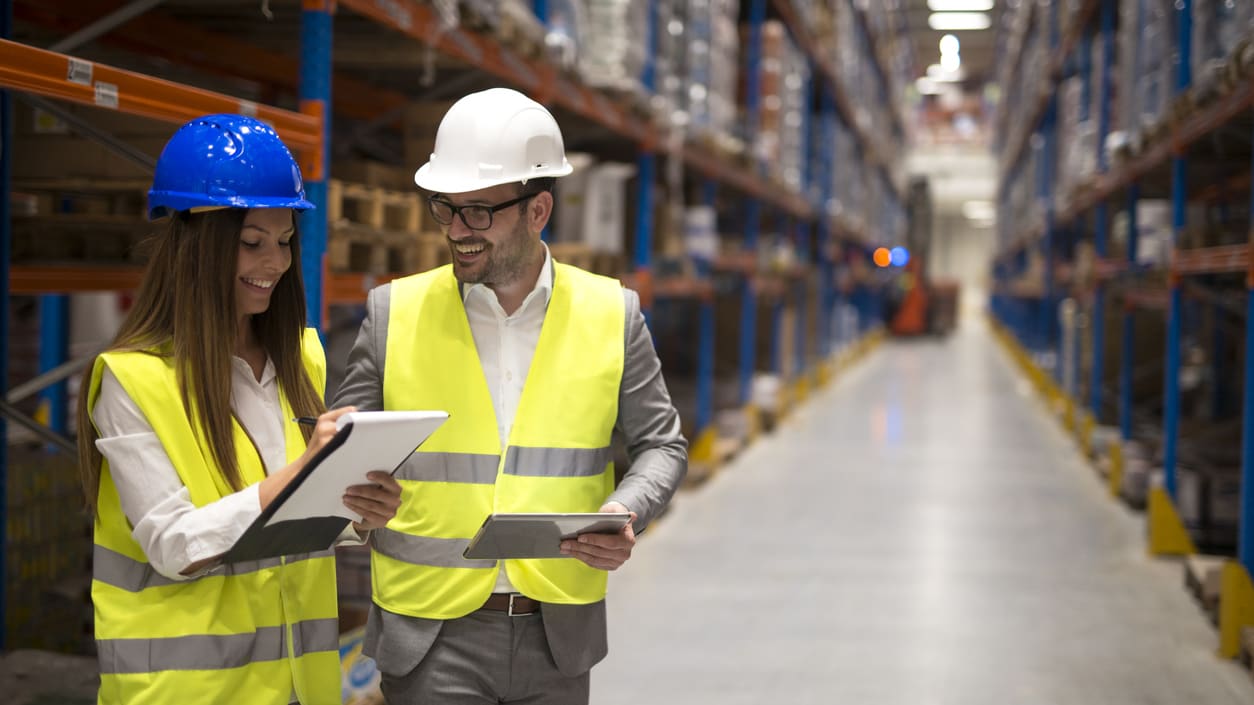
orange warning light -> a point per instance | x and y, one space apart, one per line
882 257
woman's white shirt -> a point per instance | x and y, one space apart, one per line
173 532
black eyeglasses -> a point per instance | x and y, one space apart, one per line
475 217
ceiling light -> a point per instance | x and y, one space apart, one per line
949 45
957 21
959 5
950 62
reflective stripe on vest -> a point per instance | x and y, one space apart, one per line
210 638
556 462
557 458
210 652
126 573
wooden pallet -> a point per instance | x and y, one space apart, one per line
1202 576
352 248
80 197
374 207
577 254
102 239
355 248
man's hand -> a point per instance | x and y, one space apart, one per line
376 503
604 551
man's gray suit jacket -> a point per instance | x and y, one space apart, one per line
648 424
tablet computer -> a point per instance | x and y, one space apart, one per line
308 514
537 535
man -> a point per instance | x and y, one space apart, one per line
538 363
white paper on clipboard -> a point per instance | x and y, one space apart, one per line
375 440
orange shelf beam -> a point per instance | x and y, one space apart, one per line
1107 269
33 70
69 279
1212 260
157 34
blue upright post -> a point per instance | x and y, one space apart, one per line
315 98
1049 307
642 255
1127 353
826 186
705 337
1245 533
1219 364
1102 225
646 164
1179 210
753 214
749 304
541 10
802 311
6 159
753 83
54 328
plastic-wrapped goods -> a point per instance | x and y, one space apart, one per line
565 32
619 29
711 65
1218 27
669 86
487 12
784 80
592 204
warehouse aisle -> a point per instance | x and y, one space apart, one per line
919 533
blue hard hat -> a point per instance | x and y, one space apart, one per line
230 161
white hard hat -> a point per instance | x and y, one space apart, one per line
497 136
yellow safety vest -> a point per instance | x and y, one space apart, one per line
557 458
248 633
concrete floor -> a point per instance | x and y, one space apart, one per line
920 532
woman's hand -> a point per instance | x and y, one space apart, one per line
376 503
270 487
323 432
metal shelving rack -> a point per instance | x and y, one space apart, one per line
323 92
1032 319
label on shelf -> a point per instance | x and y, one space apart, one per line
79 72
106 95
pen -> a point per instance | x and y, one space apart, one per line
306 420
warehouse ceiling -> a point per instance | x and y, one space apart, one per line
977 48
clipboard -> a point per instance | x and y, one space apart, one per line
537 535
309 513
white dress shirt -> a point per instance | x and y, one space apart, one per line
506 345
172 531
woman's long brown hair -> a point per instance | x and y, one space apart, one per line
185 308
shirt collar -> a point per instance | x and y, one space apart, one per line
544 283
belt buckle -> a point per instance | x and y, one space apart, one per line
511 611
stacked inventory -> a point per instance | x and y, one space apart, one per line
712 65
618 30
1148 66
784 77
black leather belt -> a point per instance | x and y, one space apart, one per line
513 604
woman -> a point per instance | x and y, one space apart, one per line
187 432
